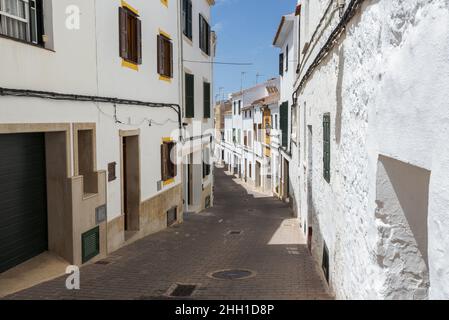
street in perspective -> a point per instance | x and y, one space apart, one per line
195 151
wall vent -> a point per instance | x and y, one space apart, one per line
90 244
172 216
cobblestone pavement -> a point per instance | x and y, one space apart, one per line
270 245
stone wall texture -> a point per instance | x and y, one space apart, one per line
385 85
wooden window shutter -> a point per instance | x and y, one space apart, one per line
174 164
190 99
281 64
206 93
284 123
123 32
164 173
189 20
139 40
160 55
326 147
171 59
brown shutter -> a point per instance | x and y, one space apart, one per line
160 55
164 162
139 40
175 167
171 59
123 32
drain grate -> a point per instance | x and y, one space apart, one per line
233 274
103 262
183 290
235 232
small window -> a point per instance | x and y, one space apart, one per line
187 18
286 59
22 20
168 166
206 99
130 36
326 147
164 56
204 35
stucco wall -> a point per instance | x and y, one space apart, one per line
385 86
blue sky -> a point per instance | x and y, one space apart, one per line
245 30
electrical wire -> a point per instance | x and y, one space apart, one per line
331 41
222 63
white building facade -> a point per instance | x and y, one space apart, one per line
247 143
287 155
198 49
373 122
94 90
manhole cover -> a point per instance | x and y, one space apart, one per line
233 274
183 290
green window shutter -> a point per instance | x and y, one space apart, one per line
190 95
206 93
90 244
284 123
326 147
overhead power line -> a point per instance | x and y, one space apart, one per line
224 63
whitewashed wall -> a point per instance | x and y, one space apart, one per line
385 86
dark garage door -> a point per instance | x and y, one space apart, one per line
23 204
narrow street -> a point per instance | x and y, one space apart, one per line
244 230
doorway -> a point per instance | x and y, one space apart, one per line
246 169
190 180
258 174
309 175
130 182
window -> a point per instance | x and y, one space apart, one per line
168 167
206 99
240 107
22 20
190 95
204 35
130 36
164 56
286 59
187 18
276 125
326 147
281 64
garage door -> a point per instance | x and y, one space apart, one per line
23 204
